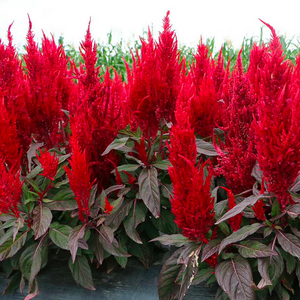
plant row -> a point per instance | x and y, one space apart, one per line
202 154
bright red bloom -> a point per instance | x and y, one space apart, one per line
79 176
49 88
154 81
108 208
143 156
277 127
131 179
236 221
192 204
9 141
237 155
12 84
49 163
10 189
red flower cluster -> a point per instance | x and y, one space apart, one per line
154 81
10 189
99 114
49 163
13 86
236 221
79 176
192 204
49 88
277 128
237 155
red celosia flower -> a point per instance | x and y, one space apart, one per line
258 207
96 113
79 177
143 156
12 83
131 179
9 141
49 163
154 81
108 208
49 87
237 155
10 189
236 221
192 204
277 126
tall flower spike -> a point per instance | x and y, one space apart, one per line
10 190
49 164
79 177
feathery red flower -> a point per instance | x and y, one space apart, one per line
277 126
49 164
108 208
236 221
79 177
10 189
192 203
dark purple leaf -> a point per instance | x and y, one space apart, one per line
210 249
177 240
235 278
149 190
42 218
289 242
293 211
253 249
76 234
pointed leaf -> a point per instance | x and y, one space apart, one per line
206 148
42 218
116 144
10 247
210 249
177 240
76 234
235 278
253 249
203 275
81 272
64 205
33 291
59 234
167 287
149 190
240 207
17 226
240 235
293 211
289 242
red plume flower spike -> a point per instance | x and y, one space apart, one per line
10 189
49 163
79 177
236 221
108 208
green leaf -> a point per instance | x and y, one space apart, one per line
64 194
37 170
177 240
122 261
64 205
33 291
206 148
162 164
253 249
17 226
59 234
240 207
127 167
42 218
297 271
76 234
221 295
116 217
116 144
289 242
136 216
240 235
148 188
111 247
203 275
82 273
210 249
263 265
13 284
167 287
10 247
235 278
190 270
165 223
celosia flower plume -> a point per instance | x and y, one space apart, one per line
49 164
192 203
79 177
10 189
